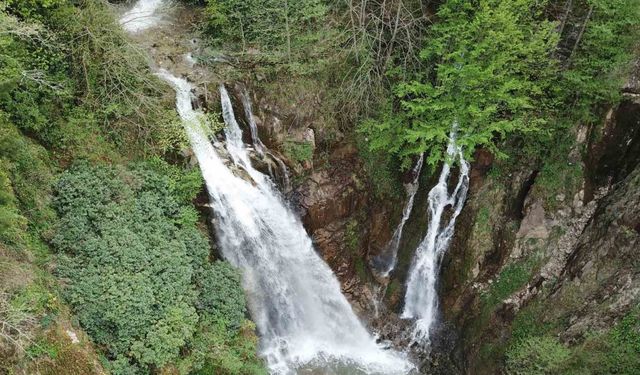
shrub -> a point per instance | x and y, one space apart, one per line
137 273
511 278
298 151
537 356
220 295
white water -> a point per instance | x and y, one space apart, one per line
253 127
388 260
294 298
421 296
142 16
257 143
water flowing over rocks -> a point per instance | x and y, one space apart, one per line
303 319
580 246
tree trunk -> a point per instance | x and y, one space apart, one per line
580 35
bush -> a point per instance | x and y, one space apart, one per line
537 356
25 182
513 277
280 30
137 274
220 295
534 351
70 78
298 151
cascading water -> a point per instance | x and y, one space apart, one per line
421 296
257 143
386 262
295 299
303 319
253 127
142 16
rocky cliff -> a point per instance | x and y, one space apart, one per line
543 251
541 248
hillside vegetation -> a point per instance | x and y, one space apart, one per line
98 233
107 267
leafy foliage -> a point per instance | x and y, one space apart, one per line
221 297
70 78
596 62
537 356
138 273
496 68
298 151
616 351
489 63
25 177
135 267
511 278
281 30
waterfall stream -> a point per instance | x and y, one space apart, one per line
142 16
257 143
294 298
386 262
421 295
304 321
253 127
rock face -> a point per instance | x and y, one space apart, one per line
330 192
567 256
568 252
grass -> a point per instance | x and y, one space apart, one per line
299 152
513 277
535 349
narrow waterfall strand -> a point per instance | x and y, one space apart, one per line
421 295
253 127
390 257
257 143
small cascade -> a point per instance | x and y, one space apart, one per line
260 148
142 16
233 135
376 300
386 262
253 127
286 182
304 321
421 295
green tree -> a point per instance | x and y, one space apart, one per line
487 68
598 45
278 29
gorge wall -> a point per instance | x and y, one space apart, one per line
540 249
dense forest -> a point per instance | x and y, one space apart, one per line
108 263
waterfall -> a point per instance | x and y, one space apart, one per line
386 262
253 127
421 296
257 143
295 300
141 16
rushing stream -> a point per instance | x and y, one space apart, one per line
142 16
421 297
